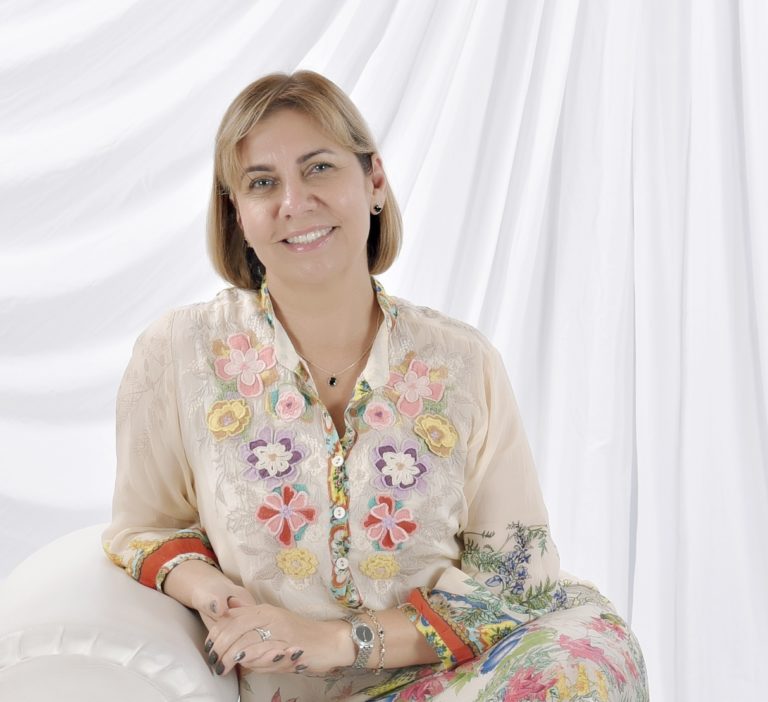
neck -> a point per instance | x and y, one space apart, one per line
329 322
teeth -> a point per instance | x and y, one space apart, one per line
310 237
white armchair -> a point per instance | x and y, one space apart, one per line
75 628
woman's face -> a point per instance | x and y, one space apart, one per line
304 202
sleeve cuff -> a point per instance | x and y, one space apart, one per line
155 560
449 645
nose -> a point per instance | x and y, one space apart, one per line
296 198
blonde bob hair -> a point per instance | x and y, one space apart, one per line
321 100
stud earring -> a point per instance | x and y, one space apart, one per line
377 208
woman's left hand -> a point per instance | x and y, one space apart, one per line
297 644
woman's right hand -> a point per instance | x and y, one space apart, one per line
212 601
201 586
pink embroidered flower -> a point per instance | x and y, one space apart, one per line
290 404
379 415
603 624
286 513
631 667
527 685
388 525
246 364
423 690
413 387
583 649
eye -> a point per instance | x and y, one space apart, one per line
321 167
260 183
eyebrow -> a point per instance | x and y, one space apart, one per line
299 160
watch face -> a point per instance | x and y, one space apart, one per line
364 633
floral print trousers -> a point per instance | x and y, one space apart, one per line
583 652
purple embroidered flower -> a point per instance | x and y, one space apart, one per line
273 457
400 469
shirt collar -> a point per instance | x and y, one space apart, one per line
376 371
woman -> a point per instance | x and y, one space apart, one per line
336 480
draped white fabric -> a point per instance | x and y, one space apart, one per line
584 181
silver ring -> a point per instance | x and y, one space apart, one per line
264 633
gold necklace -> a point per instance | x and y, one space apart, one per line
333 378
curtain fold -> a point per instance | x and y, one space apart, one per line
583 181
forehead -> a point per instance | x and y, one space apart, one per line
286 133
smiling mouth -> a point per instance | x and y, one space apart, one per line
309 237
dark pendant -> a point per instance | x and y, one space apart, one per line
332 381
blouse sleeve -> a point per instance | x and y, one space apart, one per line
155 522
510 565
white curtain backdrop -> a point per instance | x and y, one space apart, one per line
584 181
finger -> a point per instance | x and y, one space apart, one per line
224 642
253 654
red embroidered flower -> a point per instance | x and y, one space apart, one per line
286 512
413 387
583 648
388 525
527 685
245 363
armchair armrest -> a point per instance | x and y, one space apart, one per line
75 627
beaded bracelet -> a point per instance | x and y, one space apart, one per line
380 632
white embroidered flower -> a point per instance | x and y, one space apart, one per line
401 468
272 458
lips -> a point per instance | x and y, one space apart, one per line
308 236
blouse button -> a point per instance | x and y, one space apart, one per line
337 461
339 512
341 563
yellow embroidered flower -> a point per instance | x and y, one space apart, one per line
602 686
582 681
380 566
439 434
562 688
297 562
228 418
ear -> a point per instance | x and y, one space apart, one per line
378 181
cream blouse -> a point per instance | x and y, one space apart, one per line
430 501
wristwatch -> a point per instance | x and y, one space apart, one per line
363 637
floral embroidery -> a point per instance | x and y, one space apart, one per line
510 565
297 562
272 456
379 415
528 684
583 649
289 403
414 386
438 433
238 359
388 524
380 566
399 470
286 513
228 418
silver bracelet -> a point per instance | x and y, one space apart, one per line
380 632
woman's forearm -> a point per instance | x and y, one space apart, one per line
189 579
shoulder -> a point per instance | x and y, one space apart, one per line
430 325
230 309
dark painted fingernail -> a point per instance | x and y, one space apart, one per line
299 668
295 655
213 657
219 669
208 646
239 656
278 657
